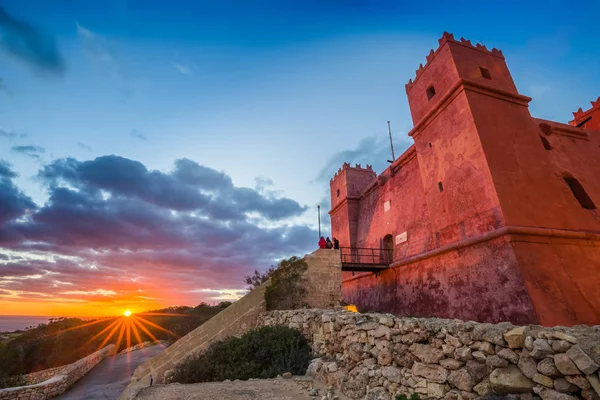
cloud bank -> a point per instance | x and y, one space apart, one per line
112 225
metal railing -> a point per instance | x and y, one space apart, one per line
366 256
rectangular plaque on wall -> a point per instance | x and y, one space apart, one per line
386 206
401 238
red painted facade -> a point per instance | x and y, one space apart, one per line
491 213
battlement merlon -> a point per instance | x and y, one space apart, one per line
579 116
350 182
449 37
345 166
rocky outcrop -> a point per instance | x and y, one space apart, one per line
380 356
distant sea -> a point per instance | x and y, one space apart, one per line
11 323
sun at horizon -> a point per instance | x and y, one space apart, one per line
127 313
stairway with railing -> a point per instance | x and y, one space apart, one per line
363 259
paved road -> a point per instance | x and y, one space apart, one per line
108 379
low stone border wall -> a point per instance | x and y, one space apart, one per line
380 356
54 381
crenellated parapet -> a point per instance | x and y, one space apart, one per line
347 166
449 37
580 115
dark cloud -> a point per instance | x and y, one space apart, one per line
137 134
31 151
84 146
13 202
111 223
28 43
12 135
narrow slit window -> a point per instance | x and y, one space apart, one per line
338 193
580 193
440 187
430 92
546 143
485 73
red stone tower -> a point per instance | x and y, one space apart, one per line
493 212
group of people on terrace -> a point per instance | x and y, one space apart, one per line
328 244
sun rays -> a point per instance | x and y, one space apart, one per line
126 328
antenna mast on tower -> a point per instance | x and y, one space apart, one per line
391 143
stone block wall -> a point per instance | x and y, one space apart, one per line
324 278
54 381
380 356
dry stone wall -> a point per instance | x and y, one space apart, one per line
377 356
52 382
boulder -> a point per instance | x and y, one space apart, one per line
433 373
561 346
510 380
494 362
384 357
515 337
451 363
509 355
548 368
565 365
477 370
595 383
392 374
426 354
479 356
355 352
435 390
543 380
549 394
579 381
463 354
563 386
483 387
461 379
563 336
527 365
541 349
589 394
582 360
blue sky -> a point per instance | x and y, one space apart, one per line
282 91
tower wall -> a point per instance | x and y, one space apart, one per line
491 229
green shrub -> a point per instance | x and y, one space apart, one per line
261 353
287 288
413 396
11 381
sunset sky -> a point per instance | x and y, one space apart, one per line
152 152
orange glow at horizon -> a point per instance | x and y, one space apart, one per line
127 313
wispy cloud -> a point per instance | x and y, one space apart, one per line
137 134
31 151
84 146
186 69
97 46
12 135
29 44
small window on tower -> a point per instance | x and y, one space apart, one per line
580 193
485 73
430 92
440 187
338 193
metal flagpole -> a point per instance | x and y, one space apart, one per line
391 144
319 212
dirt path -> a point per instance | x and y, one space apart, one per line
295 388
108 379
